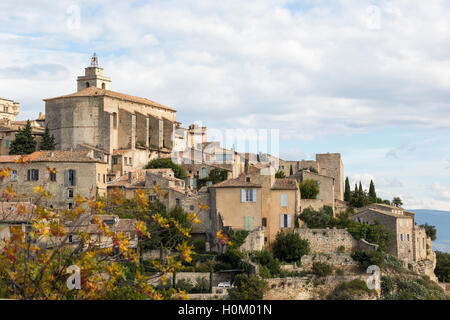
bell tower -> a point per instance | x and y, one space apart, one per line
93 77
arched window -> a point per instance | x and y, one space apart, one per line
87 84
103 86
114 120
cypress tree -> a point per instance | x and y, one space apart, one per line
360 187
291 171
372 193
24 143
48 141
347 191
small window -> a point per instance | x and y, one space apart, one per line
264 222
284 200
191 207
407 237
87 84
7 143
152 197
32 175
104 178
247 179
71 178
70 239
177 202
14 175
103 86
265 239
70 205
70 193
52 175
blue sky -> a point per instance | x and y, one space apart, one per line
368 79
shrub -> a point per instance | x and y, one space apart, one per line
265 259
322 269
350 290
178 170
290 247
199 245
309 189
185 285
368 258
264 272
317 219
248 288
232 256
387 285
341 249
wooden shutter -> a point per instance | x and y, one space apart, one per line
28 174
281 220
66 177
242 195
248 223
288 220
74 182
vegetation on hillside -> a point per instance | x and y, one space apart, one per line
289 247
442 270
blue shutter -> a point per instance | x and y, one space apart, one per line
289 221
243 195
281 220
254 195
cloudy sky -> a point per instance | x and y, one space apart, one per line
368 79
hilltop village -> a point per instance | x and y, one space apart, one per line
106 142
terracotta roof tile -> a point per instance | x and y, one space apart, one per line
285 184
235 183
97 92
52 156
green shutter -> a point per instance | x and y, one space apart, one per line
248 223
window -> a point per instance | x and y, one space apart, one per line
204 173
103 86
152 197
32 175
70 193
177 202
285 221
191 207
401 237
70 239
407 237
104 178
400 222
70 177
284 200
52 175
87 84
248 223
247 179
265 239
114 160
248 195
14 175
7 143
70 205
264 222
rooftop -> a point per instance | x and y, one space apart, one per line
285 184
97 92
52 156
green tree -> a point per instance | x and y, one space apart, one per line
291 170
397 201
430 230
178 170
347 192
48 140
280 174
317 219
248 288
372 193
289 247
24 143
309 189
442 270
360 187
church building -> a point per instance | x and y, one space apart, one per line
128 130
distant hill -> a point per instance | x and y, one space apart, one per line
439 219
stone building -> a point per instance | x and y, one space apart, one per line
9 129
98 117
326 164
8 109
326 195
254 201
63 173
409 241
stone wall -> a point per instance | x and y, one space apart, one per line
338 261
254 241
315 204
305 288
328 240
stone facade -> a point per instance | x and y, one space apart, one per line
328 240
76 172
108 120
8 109
9 129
